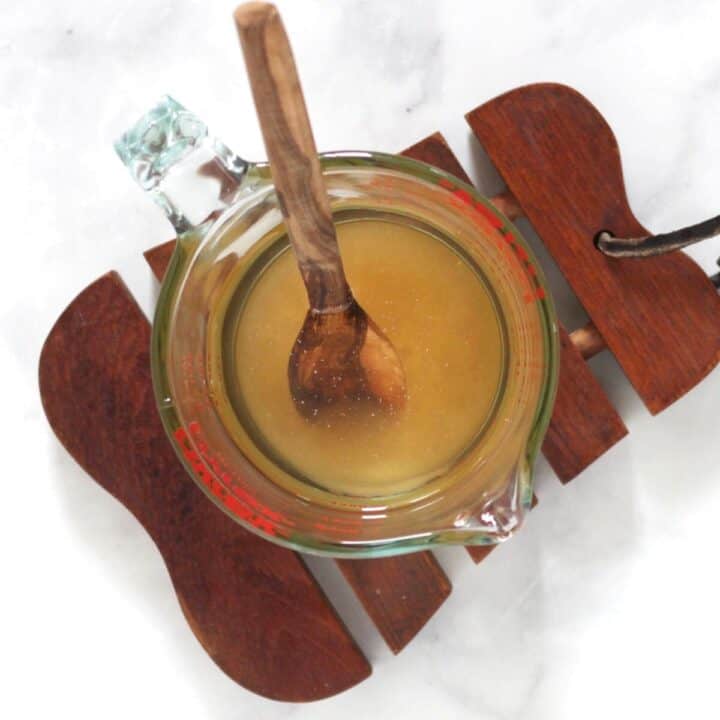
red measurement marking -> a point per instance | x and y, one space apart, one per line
489 215
528 272
534 295
233 496
463 196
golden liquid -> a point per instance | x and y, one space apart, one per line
438 313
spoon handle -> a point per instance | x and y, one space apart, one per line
293 157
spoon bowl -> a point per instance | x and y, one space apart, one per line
344 356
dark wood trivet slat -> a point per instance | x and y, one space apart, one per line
158 258
561 161
400 594
254 606
584 423
395 606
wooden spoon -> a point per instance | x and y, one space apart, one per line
340 353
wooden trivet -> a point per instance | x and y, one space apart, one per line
255 607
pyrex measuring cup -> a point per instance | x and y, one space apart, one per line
230 229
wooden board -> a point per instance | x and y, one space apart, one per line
253 606
584 423
400 594
396 591
158 258
561 161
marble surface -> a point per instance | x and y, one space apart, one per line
605 605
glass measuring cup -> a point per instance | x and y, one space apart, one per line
229 226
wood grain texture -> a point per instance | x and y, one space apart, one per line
254 606
559 158
584 423
434 150
397 591
158 258
399 594
296 171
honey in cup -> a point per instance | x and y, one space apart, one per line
443 319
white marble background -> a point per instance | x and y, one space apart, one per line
606 605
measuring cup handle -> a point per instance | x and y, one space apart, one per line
190 174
